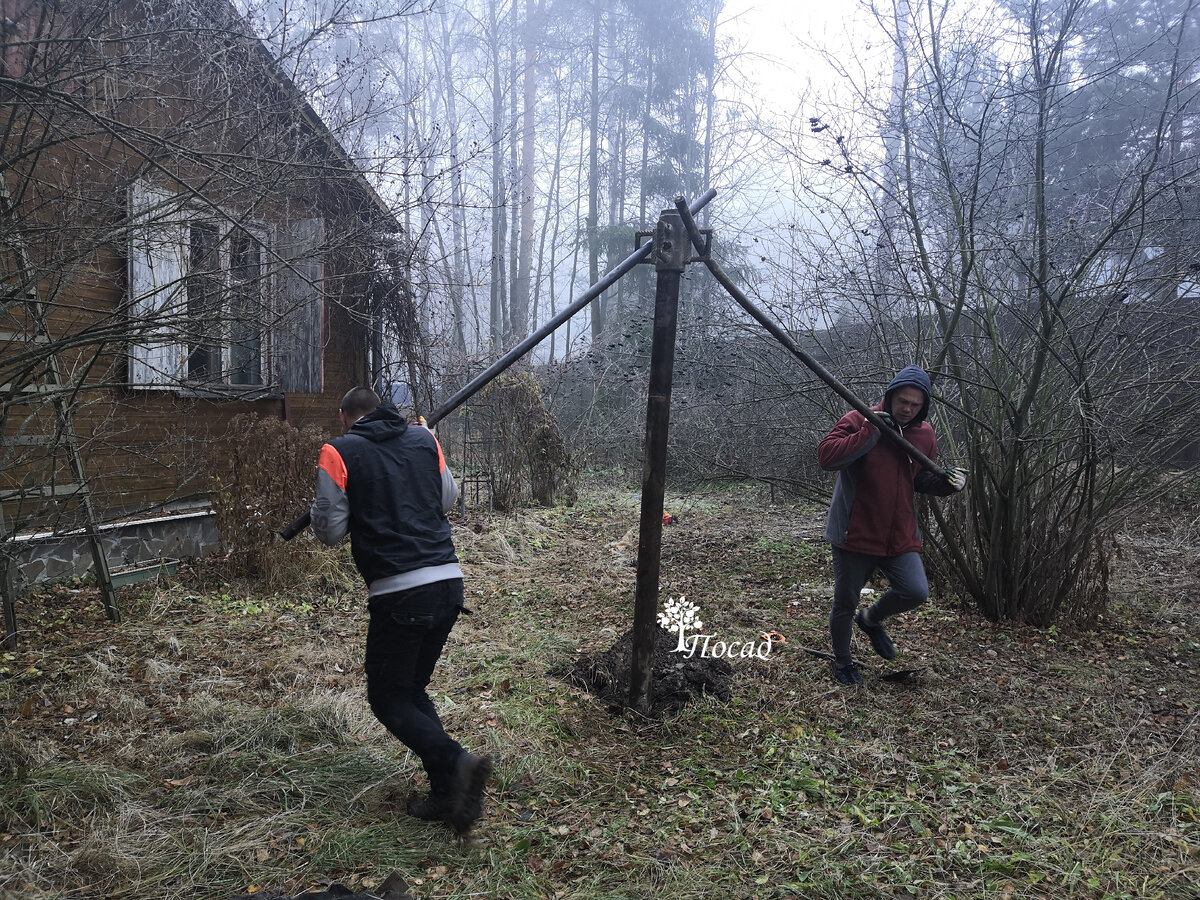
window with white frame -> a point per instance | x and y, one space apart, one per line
221 304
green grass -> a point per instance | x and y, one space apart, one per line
198 752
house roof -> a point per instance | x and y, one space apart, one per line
225 13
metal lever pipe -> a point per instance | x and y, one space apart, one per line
785 339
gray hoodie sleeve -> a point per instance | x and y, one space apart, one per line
449 486
331 507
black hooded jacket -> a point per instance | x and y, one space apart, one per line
387 484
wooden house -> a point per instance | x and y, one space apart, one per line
182 240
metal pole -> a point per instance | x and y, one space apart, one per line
784 338
538 336
670 257
302 521
8 595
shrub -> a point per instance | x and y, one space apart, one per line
528 455
265 472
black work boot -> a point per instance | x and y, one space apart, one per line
434 808
847 674
471 773
880 642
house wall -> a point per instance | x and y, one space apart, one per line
48 557
233 134
145 447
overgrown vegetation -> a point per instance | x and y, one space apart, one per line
528 456
265 471
194 752
1025 235
741 406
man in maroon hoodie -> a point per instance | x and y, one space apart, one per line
872 521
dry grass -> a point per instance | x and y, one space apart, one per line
219 740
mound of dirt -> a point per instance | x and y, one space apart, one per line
676 679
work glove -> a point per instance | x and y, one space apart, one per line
957 478
887 419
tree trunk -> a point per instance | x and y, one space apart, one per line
552 221
593 216
498 308
710 105
521 289
458 228
618 129
514 167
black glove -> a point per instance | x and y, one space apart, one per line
887 419
957 478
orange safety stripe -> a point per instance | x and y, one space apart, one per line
441 459
334 466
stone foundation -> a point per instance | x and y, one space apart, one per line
49 557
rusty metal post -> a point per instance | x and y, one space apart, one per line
670 254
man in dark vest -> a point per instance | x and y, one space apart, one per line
386 483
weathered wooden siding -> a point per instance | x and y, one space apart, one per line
145 448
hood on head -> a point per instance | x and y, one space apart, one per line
909 376
380 424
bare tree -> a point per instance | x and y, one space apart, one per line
1037 293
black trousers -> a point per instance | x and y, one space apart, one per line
405 637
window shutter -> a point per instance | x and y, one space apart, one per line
157 244
299 340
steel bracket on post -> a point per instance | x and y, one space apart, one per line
706 254
639 237
671 247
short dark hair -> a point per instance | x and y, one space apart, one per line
359 401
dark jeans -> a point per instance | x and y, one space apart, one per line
907 589
405 638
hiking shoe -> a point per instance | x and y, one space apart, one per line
880 642
434 808
471 773
847 674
